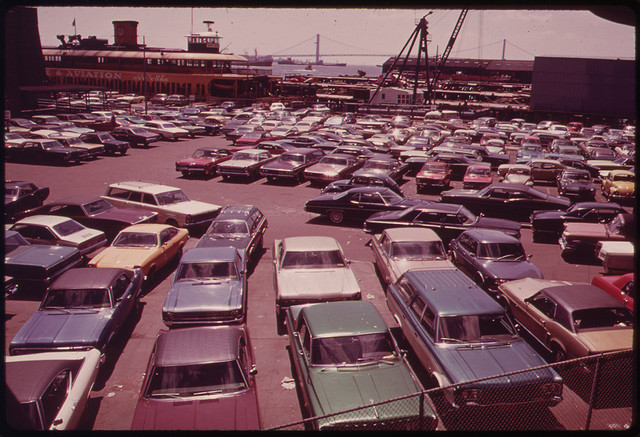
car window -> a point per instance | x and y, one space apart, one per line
352 349
55 395
545 305
385 244
149 199
118 192
35 232
417 307
313 259
120 286
135 196
305 337
164 237
429 217
405 289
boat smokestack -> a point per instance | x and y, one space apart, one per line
125 33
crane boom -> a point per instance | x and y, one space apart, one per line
447 50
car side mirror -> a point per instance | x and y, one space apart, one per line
253 370
368 243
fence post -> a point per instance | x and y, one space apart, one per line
594 392
422 400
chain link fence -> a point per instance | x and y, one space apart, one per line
597 393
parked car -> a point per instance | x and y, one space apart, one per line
208 387
616 256
291 164
384 165
159 99
46 151
245 163
397 250
203 162
84 308
500 199
239 226
311 269
447 220
332 167
36 264
135 136
97 213
57 230
459 334
110 144
340 349
551 223
518 174
433 174
21 196
545 170
148 247
581 238
363 179
166 129
477 176
576 185
622 287
172 204
457 162
569 319
358 203
210 286
49 391
491 257
619 185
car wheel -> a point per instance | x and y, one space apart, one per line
559 354
336 216
171 222
185 173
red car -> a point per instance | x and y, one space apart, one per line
433 174
200 378
477 176
622 287
203 162
250 139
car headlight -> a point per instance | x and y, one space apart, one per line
551 389
469 395
167 316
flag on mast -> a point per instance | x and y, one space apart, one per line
74 22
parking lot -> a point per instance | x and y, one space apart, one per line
113 400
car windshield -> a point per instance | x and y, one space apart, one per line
519 171
207 270
578 177
76 298
13 242
67 228
624 178
435 167
196 380
204 153
378 165
170 197
11 191
96 207
417 250
501 251
615 226
228 227
320 259
239 156
73 140
335 160
291 158
51 144
480 171
476 328
352 349
105 137
135 239
598 318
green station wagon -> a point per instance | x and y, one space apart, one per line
345 358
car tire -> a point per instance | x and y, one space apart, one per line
171 222
185 174
559 354
336 216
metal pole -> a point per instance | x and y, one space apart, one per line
594 392
317 48
144 73
504 43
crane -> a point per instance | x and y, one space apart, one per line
447 50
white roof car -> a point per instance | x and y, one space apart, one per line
58 230
167 129
311 269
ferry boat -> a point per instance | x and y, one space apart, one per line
201 71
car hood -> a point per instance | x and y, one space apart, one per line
317 283
624 187
59 328
195 161
281 165
496 223
191 207
517 179
403 265
326 168
586 230
239 163
431 175
548 215
512 269
123 257
579 185
206 295
607 340
39 255
476 361
126 215
342 388
229 412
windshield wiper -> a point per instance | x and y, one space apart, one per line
206 392
63 309
453 340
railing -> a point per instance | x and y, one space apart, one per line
597 394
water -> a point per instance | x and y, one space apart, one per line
323 70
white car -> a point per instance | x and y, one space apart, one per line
309 270
50 390
168 130
59 231
397 250
617 256
518 174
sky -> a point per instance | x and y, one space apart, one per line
280 32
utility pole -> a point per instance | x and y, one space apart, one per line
144 73
317 48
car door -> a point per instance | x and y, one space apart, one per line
123 301
382 253
168 244
463 252
366 204
540 311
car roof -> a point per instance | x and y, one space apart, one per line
411 234
579 296
45 220
77 200
591 205
304 244
27 380
241 212
17 183
452 293
343 317
143 186
204 254
491 236
199 345
155 228
87 277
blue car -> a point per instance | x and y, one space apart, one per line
84 308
